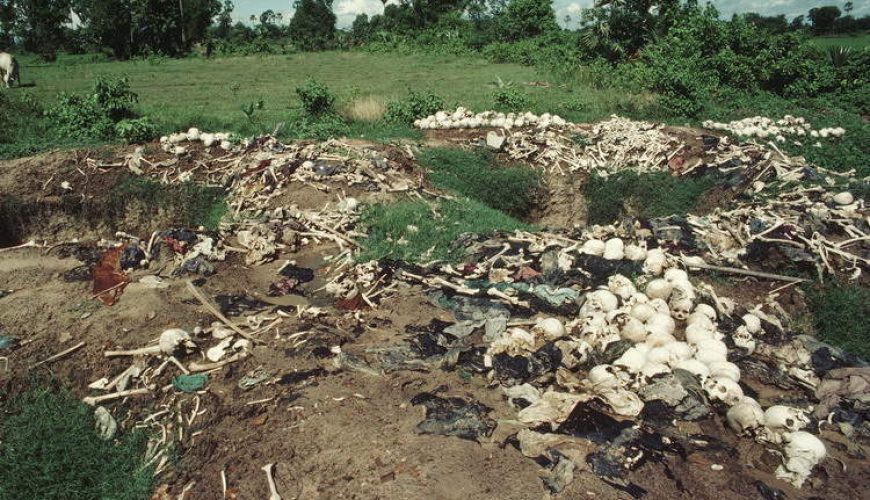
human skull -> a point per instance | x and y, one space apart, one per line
743 339
699 318
621 286
709 351
659 289
675 275
681 308
604 376
707 310
802 453
745 417
660 322
696 332
753 323
633 330
642 312
599 300
725 369
782 419
723 389
654 262
694 367
549 329
633 359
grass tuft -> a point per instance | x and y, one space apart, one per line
50 450
188 203
367 109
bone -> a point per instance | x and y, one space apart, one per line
59 355
195 367
93 400
273 491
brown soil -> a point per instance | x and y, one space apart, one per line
332 433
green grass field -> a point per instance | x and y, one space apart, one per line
209 94
858 41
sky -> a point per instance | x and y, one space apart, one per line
347 10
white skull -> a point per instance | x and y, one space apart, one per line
725 369
745 417
802 452
642 312
707 310
680 309
633 359
633 330
694 367
723 389
781 419
661 322
549 329
621 286
599 300
700 319
753 323
696 332
743 339
659 289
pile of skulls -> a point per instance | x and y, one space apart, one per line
173 143
463 118
624 347
764 127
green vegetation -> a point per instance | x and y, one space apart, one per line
855 41
840 315
188 203
648 195
413 106
49 450
417 231
473 174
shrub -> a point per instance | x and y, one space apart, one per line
510 98
316 98
136 130
94 115
415 105
322 127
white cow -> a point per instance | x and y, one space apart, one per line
9 69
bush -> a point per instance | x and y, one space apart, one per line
95 114
510 98
316 98
136 130
328 126
415 105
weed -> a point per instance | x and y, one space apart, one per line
511 190
50 451
316 98
840 315
136 130
413 106
511 99
250 109
418 231
650 195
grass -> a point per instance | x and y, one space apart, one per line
50 450
188 203
856 41
473 174
211 94
840 315
649 195
417 231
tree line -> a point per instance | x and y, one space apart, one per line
130 28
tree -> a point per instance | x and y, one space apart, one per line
170 27
39 25
527 19
7 23
313 24
224 25
107 23
798 23
848 8
773 24
824 18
